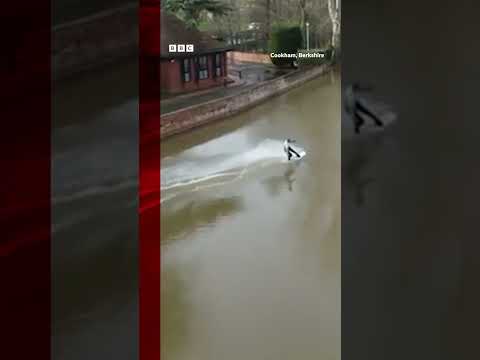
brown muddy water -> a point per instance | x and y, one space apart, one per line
251 255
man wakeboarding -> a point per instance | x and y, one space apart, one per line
289 150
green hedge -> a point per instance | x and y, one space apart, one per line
285 39
315 60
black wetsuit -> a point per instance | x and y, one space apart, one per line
289 150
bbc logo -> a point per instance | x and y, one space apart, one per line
180 48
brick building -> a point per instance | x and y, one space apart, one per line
185 71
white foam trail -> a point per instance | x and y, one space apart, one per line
187 172
166 198
194 181
206 186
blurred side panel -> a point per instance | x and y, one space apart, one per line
149 173
25 169
95 181
410 188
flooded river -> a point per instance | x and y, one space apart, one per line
251 243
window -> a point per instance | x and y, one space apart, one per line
186 71
218 65
202 67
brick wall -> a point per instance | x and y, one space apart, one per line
198 115
171 80
238 56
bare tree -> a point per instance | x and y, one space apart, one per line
267 23
334 12
255 18
320 24
302 4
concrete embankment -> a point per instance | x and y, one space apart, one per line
94 41
198 115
